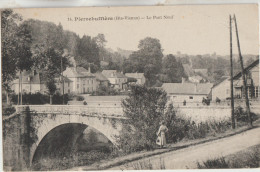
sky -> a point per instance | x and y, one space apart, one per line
193 29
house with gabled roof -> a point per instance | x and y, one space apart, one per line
101 80
187 92
222 89
252 81
116 79
83 81
33 82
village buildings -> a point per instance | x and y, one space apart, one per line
77 80
252 81
195 75
187 93
140 79
117 80
101 80
33 82
222 89
83 81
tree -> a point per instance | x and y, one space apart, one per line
148 59
50 66
172 69
101 43
144 107
16 43
88 52
100 40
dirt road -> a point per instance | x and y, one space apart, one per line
188 157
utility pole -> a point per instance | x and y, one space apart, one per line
19 87
22 89
243 77
62 80
231 78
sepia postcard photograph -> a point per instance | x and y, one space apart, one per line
130 88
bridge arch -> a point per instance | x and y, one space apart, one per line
46 123
58 141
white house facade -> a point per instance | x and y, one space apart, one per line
83 81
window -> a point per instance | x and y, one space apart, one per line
77 79
191 97
256 91
68 90
119 80
92 81
77 86
68 84
88 81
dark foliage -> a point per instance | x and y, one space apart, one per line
144 108
38 98
8 110
213 164
147 60
172 70
105 91
241 115
79 98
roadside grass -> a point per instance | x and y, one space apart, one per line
147 165
214 163
241 127
248 158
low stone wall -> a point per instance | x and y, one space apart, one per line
205 113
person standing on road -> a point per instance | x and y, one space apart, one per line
161 140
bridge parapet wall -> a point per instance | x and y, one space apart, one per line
109 111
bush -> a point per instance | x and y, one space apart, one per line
80 98
241 115
38 98
8 110
105 91
132 141
144 107
214 163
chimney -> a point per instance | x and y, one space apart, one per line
89 69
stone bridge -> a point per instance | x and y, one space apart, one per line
26 131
